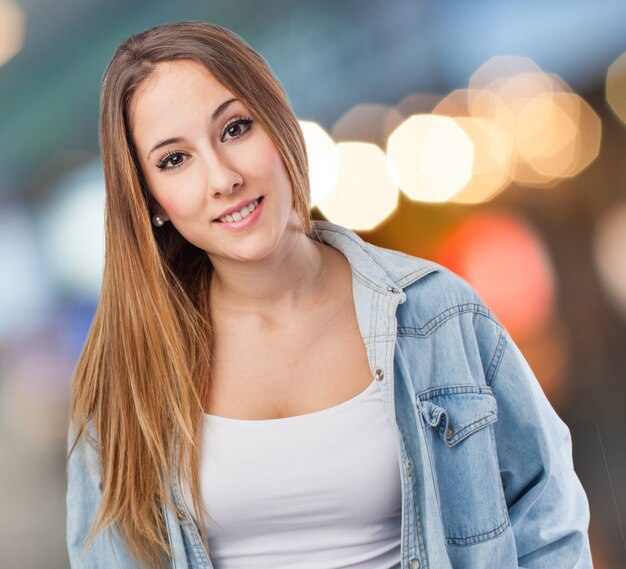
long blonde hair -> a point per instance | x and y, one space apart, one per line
146 365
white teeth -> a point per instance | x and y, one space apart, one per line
243 212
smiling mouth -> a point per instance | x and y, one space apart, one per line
244 212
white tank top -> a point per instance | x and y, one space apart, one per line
314 491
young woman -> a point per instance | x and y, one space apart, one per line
261 390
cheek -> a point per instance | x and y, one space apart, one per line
172 205
264 156
177 196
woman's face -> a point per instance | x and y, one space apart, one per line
204 157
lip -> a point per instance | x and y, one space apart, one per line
246 222
236 207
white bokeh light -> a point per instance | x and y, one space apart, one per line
366 192
434 157
323 160
74 227
25 293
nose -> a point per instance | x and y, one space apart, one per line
222 177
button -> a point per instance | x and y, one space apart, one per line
409 469
414 564
379 374
449 433
393 289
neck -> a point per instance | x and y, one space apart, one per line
274 288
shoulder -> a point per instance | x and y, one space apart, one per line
433 292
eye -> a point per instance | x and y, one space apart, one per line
237 128
171 160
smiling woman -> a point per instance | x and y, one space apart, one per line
260 390
213 161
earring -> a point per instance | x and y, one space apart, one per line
157 220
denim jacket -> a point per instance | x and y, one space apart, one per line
486 466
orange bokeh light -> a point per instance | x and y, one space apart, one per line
505 261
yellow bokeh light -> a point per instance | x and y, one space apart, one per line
616 86
455 104
12 23
434 157
589 139
367 123
366 193
492 160
417 103
555 132
323 160
502 66
547 126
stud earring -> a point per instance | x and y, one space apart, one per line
157 220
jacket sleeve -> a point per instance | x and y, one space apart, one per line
83 498
547 505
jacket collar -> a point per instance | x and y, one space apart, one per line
382 269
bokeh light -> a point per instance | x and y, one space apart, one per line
323 158
12 25
500 66
74 231
492 160
555 133
417 103
25 291
366 192
507 264
434 157
616 86
609 249
367 123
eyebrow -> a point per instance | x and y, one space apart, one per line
217 113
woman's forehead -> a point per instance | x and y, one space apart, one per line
174 88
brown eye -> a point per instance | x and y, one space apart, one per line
233 130
171 160
237 128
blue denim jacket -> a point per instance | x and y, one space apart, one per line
486 464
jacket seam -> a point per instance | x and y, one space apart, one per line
479 538
444 316
425 268
496 360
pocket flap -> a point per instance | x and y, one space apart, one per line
458 411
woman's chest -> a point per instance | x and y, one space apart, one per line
312 365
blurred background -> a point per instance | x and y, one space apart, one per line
489 136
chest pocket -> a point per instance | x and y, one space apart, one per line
461 444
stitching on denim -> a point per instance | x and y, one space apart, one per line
169 538
416 505
433 478
359 244
422 271
504 342
444 316
451 390
494 364
505 510
473 539
480 424
364 280
371 330
431 267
